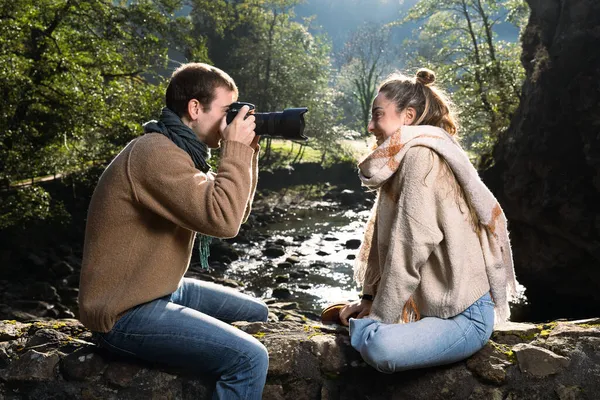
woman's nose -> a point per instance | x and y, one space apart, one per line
370 126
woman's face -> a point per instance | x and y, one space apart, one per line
385 119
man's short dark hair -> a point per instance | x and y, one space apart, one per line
196 81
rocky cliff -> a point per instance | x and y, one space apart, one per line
55 359
547 170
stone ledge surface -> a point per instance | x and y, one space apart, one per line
56 359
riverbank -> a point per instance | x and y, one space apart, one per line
267 259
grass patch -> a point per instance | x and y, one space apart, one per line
288 150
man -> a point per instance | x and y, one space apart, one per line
142 221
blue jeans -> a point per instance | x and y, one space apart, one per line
189 329
428 342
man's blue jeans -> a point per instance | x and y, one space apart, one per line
190 329
426 343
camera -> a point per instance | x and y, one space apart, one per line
286 124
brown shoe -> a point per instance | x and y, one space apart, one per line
331 314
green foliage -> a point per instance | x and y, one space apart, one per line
274 60
29 203
77 78
366 57
458 40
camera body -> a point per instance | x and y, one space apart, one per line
286 124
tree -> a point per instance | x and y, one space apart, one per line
366 57
458 40
274 60
77 78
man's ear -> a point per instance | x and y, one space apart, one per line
194 108
411 115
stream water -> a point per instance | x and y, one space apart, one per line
317 265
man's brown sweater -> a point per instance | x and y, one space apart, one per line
142 219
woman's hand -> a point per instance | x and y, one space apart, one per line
357 309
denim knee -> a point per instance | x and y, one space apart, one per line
260 312
259 358
370 345
376 353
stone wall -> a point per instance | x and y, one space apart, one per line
55 359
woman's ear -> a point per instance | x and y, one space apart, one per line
410 116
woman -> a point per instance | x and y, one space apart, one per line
435 263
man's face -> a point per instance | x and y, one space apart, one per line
208 124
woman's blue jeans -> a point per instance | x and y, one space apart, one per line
190 329
426 343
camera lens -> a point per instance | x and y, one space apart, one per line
286 124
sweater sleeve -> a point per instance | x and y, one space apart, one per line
372 273
413 234
165 181
254 175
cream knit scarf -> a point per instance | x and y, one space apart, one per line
383 162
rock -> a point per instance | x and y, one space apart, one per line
33 308
329 350
69 295
293 260
10 330
4 356
353 244
350 197
296 275
8 313
547 181
569 393
43 291
54 359
227 282
282 242
273 392
121 374
538 361
43 338
490 363
284 306
36 261
282 293
514 332
274 251
222 251
82 364
62 269
32 366
284 265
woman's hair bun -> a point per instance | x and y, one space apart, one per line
425 76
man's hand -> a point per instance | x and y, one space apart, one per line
357 309
254 143
241 129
